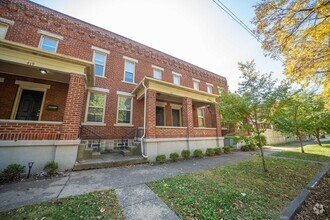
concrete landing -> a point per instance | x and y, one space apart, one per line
140 202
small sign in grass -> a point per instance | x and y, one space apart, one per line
237 191
96 205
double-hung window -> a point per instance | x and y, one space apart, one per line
196 84
176 78
201 118
209 88
99 61
124 115
157 72
96 107
3 30
49 41
129 69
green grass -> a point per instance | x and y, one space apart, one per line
220 193
312 152
102 204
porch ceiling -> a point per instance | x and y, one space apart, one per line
25 60
168 89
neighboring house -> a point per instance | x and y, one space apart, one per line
65 83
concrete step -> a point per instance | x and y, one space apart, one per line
126 152
99 164
96 155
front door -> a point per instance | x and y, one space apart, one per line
29 105
160 116
176 117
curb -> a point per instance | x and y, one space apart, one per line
295 205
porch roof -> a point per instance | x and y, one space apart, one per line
32 57
173 90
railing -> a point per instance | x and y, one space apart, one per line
83 128
137 135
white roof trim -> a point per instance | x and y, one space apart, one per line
32 84
125 94
100 50
175 73
49 34
7 21
130 59
157 67
97 89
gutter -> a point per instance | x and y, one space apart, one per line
144 120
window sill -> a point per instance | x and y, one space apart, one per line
133 83
123 125
205 128
94 124
103 77
170 127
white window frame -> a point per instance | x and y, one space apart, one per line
203 117
133 61
5 27
157 68
105 62
98 91
198 83
179 77
48 37
176 107
130 124
6 22
24 85
209 85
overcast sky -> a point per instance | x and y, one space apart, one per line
196 31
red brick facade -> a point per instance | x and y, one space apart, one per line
78 39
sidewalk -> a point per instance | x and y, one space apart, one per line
129 183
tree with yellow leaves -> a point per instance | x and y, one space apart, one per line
299 31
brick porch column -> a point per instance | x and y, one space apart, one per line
215 116
73 107
151 114
187 116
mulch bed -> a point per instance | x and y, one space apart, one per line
317 205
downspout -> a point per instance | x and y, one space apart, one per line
144 120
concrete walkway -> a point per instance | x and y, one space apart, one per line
129 183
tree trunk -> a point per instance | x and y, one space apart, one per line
262 154
301 145
317 135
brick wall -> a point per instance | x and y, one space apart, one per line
29 131
171 132
200 132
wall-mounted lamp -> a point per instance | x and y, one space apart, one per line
43 72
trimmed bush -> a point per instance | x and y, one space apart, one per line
12 172
51 168
217 151
174 156
249 147
226 149
161 158
245 148
185 154
198 153
210 152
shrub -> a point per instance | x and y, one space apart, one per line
51 168
198 153
226 149
245 148
185 154
217 151
161 158
249 147
210 152
12 172
174 156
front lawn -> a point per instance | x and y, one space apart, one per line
237 191
312 152
96 205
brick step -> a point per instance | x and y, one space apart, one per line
107 164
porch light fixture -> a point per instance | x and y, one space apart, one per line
43 72
30 164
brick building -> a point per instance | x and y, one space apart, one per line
66 84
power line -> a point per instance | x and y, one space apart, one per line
240 22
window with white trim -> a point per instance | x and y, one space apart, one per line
201 117
176 79
210 89
196 84
96 107
3 30
124 114
48 43
129 73
99 60
158 74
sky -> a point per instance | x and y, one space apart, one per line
196 31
